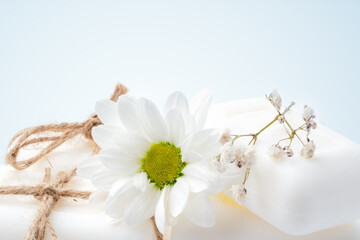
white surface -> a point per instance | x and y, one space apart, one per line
57 58
296 195
78 220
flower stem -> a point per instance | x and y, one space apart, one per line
291 139
293 132
243 135
283 140
255 135
276 118
247 173
158 234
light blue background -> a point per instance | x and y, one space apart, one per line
57 58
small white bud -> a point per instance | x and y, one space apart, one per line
308 113
238 192
308 150
244 155
217 165
276 151
227 154
225 136
281 119
275 99
289 152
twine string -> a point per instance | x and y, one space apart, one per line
49 195
158 234
63 132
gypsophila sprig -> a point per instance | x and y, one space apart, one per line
241 155
308 116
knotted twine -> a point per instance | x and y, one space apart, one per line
67 131
49 195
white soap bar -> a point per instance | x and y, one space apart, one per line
296 195
71 219
79 220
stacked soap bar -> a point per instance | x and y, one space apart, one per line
296 195
79 220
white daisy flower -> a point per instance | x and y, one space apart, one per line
153 163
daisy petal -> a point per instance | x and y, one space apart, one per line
202 172
205 142
141 181
190 156
119 161
152 123
115 207
199 170
142 207
131 143
199 107
178 197
107 113
121 187
200 211
89 167
216 185
104 178
176 101
196 184
127 109
176 127
103 135
160 216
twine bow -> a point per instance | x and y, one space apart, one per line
67 131
48 194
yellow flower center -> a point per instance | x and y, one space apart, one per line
163 164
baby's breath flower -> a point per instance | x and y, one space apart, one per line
308 116
217 165
276 151
289 152
244 155
238 192
225 136
308 150
227 153
311 124
308 113
281 119
275 99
